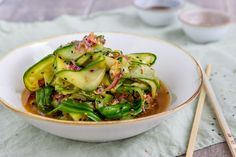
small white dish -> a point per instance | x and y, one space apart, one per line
179 71
157 12
203 26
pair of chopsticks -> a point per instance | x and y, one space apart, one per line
207 88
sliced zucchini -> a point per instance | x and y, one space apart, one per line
68 52
86 79
77 116
95 59
142 86
141 71
106 81
144 58
59 64
82 59
110 61
153 86
42 70
63 86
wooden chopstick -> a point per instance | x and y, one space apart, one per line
219 115
197 117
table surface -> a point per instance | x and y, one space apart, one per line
35 10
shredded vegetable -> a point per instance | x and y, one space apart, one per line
84 80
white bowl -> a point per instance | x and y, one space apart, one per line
158 13
175 67
204 26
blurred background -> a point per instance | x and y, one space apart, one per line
41 10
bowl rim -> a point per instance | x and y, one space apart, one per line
175 8
198 11
92 123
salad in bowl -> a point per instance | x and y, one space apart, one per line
86 81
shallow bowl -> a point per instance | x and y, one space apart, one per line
157 13
204 26
175 67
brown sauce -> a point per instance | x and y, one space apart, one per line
160 8
161 103
28 103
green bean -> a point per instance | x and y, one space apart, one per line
138 104
70 106
77 105
43 99
116 111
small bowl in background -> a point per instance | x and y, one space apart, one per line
204 26
157 12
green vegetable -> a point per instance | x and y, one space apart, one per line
106 80
82 59
77 116
59 64
96 58
70 106
138 104
68 52
43 70
143 58
153 86
87 79
116 111
77 105
142 72
91 82
140 85
43 99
